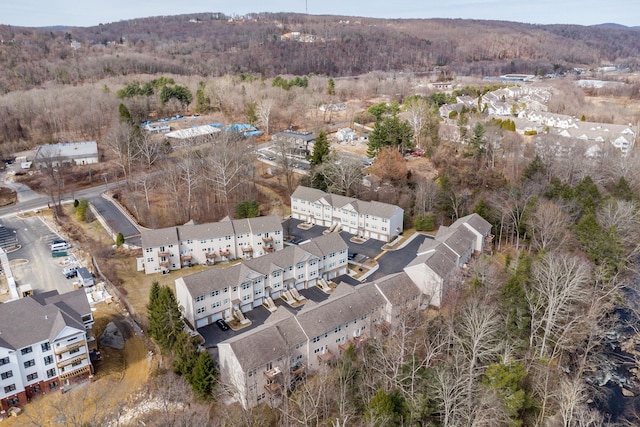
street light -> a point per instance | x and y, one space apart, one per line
106 181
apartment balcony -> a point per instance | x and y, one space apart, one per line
186 258
360 340
211 255
273 374
345 346
163 254
247 249
273 389
327 357
267 240
225 252
298 370
70 347
65 362
164 264
86 369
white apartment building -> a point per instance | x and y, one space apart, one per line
374 220
172 248
261 364
224 293
43 345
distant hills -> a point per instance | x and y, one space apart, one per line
212 44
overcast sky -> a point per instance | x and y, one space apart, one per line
38 13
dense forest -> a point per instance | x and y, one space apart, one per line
215 45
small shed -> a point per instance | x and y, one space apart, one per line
85 276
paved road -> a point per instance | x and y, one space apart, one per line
117 220
29 200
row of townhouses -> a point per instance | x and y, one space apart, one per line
173 248
45 342
259 364
226 293
368 220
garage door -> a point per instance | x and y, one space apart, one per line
300 286
257 302
216 316
202 322
245 308
275 294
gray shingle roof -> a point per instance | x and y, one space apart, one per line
159 237
440 259
457 239
26 321
397 288
478 223
378 209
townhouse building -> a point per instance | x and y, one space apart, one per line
173 248
264 363
368 220
45 342
225 293
439 261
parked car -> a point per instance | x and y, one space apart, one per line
222 325
351 255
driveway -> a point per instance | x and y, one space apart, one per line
213 335
117 221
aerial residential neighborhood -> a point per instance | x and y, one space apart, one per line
293 219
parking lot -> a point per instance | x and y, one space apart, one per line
33 264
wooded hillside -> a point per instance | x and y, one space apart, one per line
214 45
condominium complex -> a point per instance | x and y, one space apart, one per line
261 365
368 220
224 293
173 248
43 344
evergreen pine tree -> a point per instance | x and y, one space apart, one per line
185 355
203 376
320 149
154 316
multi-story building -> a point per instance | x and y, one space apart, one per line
375 220
44 344
222 293
172 248
439 261
260 365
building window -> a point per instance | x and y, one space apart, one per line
29 363
32 377
312 262
75 350
299 265
13 401
35 389
215 304
215 293
300 276
6 375
78 363
246 286
276 274
26 350
51 373
258 291
4 361
200 298
200 310
48 360
260 397
337 329
9 388
53 385
332 254
246 297
46 346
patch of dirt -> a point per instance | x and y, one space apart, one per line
8 196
